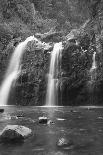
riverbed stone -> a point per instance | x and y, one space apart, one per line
50 122
43 120
64 142
1 110
14 133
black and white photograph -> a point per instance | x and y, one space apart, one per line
51 77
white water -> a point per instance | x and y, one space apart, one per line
13 70
93 73
51 96
94 62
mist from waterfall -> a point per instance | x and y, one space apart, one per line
13 71
51 95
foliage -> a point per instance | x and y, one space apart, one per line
22 18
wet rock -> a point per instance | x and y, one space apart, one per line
43 120
50 122
15 133
1 110
19 116
65 143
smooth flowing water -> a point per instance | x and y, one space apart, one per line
13 71
94 62
51 96
93 68
80 127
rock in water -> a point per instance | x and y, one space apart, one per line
1 110
63 142
50 122
43 120
14 133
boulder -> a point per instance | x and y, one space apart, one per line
43 120
63 142
14 133
50 122
1 110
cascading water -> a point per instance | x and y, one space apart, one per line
93 68
94 62
92 81
93 75
53 75
13 70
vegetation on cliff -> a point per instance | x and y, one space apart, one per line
52 21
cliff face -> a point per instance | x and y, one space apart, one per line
31 85
81 82
54 21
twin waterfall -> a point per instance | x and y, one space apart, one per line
13 71
51 95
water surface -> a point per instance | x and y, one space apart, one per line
81 125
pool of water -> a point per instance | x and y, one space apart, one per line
81 125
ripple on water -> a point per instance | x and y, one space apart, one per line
61 119
38 149
57 153
5 117
100 130
100 117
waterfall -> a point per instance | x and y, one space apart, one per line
51 96
13 70
93 68
94 62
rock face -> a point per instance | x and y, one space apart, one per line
20 19
14 133
75 84
30 88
